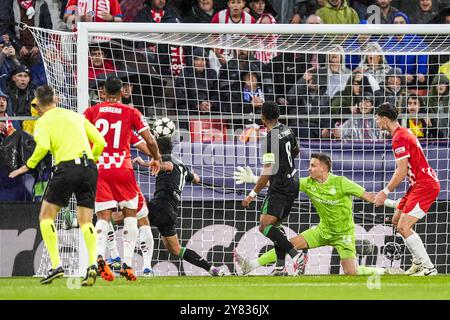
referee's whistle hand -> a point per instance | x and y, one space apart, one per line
18 172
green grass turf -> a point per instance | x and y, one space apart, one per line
232 287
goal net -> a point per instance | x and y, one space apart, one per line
211 80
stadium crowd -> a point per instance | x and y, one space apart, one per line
321 92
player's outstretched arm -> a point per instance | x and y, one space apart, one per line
155 163
165 166
245 175
370 197
261 183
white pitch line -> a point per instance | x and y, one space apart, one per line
338 284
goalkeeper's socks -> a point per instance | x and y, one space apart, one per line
101 227
130 235
279 239
48 231
267 258
90 239
111 243
193 258
146 242
418 251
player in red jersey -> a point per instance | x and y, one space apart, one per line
423 191
116 182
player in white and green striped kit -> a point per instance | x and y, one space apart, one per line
331 195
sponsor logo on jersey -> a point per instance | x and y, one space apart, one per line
400 150
332 191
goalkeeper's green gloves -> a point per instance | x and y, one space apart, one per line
244 175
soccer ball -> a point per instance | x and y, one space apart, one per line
163 127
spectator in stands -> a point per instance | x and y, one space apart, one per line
202 12
92 11
387 11
414 67
338 12
364 128
374 66
306 99
346 102
252 93
256 8
8 60
428 10
21 92
6 127
420 127
304 9
439 103
97 92
393 90
288 66
99 64
443 16
33 14
197 89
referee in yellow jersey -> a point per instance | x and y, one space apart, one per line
66 135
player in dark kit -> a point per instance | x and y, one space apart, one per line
279 171
163 207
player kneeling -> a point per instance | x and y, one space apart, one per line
163 207
331 195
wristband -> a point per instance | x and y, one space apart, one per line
252 194
386 191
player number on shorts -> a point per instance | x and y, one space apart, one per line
288 151
103 126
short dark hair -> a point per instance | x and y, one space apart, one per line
165 145
416 97
113 85
270 110
387 110
45 95
324 158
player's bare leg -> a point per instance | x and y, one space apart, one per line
102 227
422 264
173 245
146 242
130 234
47 217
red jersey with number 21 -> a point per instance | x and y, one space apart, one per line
115 121
406 145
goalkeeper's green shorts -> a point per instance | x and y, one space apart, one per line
344 243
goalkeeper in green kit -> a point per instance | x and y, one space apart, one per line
331 195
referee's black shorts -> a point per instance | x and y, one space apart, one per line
68 178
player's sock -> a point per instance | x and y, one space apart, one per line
368 271
101 227
267 258
111 243
193 258
281 254
48 231
146 242
415 245
279 239
90 240
130 234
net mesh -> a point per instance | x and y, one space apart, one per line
327 85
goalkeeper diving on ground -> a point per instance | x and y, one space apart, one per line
331 195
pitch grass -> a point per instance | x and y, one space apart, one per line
233 288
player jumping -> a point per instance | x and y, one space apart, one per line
423 191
